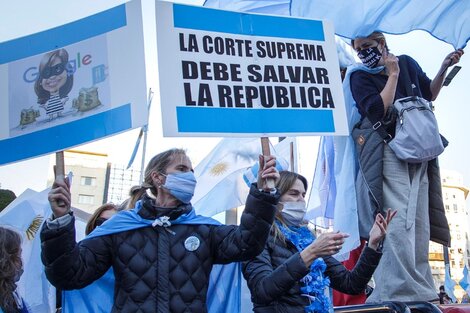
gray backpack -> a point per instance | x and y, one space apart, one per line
417 137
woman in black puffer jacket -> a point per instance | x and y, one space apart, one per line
159 267
294 271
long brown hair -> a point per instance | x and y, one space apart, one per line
44 95
286 181
91 225
10 267
158 164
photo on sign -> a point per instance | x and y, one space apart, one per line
58 86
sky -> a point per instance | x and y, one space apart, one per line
452 107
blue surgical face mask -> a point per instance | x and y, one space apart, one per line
181 185
370 57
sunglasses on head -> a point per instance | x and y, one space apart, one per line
53 70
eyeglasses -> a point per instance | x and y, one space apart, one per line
53 70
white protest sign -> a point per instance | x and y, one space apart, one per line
226 73
29 17
72 84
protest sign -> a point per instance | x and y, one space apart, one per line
30 16
72 84
229 74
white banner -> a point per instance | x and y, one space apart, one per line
229 74
72 84
29 16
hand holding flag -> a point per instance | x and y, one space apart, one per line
451 59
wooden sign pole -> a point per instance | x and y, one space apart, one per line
59 165
270 183
59 170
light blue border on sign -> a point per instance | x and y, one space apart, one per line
231 120
200 18
64 35
66 135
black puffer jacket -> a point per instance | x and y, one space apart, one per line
154 271
274 277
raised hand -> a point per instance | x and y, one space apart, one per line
267 170
452 58
379 229
325 245
60 197
390 62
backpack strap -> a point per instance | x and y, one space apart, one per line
406 78
379 127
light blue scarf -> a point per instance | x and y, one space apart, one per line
340 152
316 284
223 295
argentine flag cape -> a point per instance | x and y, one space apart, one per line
340 151
223 295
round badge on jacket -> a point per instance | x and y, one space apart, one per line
192 243
361 140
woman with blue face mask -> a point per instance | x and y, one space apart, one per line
295 270
160 251
387 182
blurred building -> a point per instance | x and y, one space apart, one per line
96 181
455 194
120 182
89 178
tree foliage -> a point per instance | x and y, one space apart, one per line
6 197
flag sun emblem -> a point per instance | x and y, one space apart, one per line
34 227
219 169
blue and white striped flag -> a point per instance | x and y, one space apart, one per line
465 281
224 175
26 214
449 284
220 185
445 20
143 131
136 146
282 153
321 202
334 186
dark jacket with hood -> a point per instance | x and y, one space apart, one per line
274 276
154 271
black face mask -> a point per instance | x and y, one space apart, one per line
55 70
100 221
370 57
